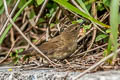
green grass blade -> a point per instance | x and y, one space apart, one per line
14 19
83 6
70 7
114 11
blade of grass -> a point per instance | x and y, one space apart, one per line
83 6
114 11
108 51
70 7
112 44
14 19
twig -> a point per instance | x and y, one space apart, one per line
95 65
53 15
4 26
50 21
31 21
76 51
17 48
14 19
58 17
41 10
73 1
95 29
16 27
24 25
92 49
7 53
12 36
104 16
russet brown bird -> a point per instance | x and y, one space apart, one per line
61 46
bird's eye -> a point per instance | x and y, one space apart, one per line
76 28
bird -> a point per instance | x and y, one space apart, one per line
61 46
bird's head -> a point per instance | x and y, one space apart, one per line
73 30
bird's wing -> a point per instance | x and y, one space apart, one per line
48 47
63 51
51 46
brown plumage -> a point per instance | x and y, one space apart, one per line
61 46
